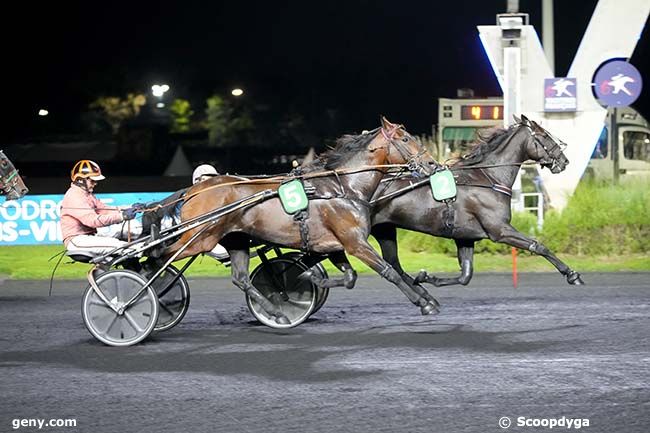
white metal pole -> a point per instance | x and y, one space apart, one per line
548 33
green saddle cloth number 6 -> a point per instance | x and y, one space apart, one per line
293 196
443 185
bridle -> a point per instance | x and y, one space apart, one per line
413 162
555 152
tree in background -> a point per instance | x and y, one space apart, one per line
225 122
182 114
116 110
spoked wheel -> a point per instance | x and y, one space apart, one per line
136 322
319 270
277 279
174 301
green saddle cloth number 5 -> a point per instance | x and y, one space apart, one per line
293 196
443 185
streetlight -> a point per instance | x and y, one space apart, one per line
237 92
43 112
159 90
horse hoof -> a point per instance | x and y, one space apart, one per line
574 278
420 277
429 308
426 295
282 320
434 301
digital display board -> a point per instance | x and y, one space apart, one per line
481 112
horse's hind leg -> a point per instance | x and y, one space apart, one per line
361 249
509 235
386 236
239 260
465 252
340 260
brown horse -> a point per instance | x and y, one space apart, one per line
338 222
11 184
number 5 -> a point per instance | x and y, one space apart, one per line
291 196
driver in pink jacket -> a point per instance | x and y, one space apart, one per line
82 213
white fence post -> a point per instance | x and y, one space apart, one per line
538 206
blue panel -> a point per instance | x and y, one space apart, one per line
34 219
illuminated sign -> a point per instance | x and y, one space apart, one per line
560 94
481 112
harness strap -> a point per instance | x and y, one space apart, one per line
502 189
302 218
496 186
389 182
386 271
448 217
401 191
342 193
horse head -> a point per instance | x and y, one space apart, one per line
544 148
11 184
402 148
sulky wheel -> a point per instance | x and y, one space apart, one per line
136 322
173 301
277 279
321 292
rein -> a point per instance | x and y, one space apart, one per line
400 191
553 152
412 164
469 167
279 179
503 189
265 180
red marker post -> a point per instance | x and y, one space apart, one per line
514 267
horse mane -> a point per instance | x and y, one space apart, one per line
345 147
489 140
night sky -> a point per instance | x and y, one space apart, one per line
357 59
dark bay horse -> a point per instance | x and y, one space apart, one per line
11 184
482 207
338 222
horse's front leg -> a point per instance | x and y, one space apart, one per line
361 249
239 261
340 260
465 253
509 235
386 236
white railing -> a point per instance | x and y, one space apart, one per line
538 205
